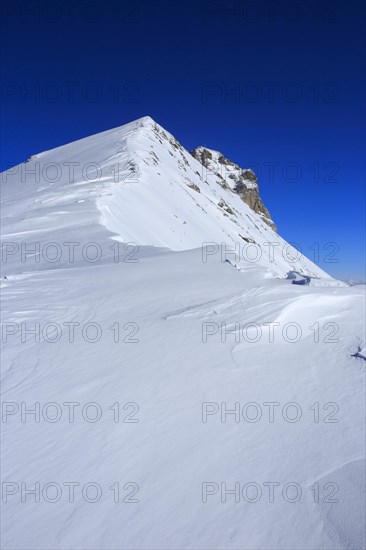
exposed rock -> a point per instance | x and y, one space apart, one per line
241 181
194 187
226 207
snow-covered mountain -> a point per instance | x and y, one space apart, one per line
138 182
154 394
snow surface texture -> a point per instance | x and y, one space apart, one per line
155 344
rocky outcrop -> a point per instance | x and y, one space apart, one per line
241 181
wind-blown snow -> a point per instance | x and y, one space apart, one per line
195 338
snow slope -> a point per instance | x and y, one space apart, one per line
139 183
179 403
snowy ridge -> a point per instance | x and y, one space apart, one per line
151 191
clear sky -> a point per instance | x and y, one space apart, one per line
275 85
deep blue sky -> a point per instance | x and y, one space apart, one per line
276 85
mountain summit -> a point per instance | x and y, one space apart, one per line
138 184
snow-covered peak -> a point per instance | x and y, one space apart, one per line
137 183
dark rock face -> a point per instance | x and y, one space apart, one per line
250 195
241 181
202 155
